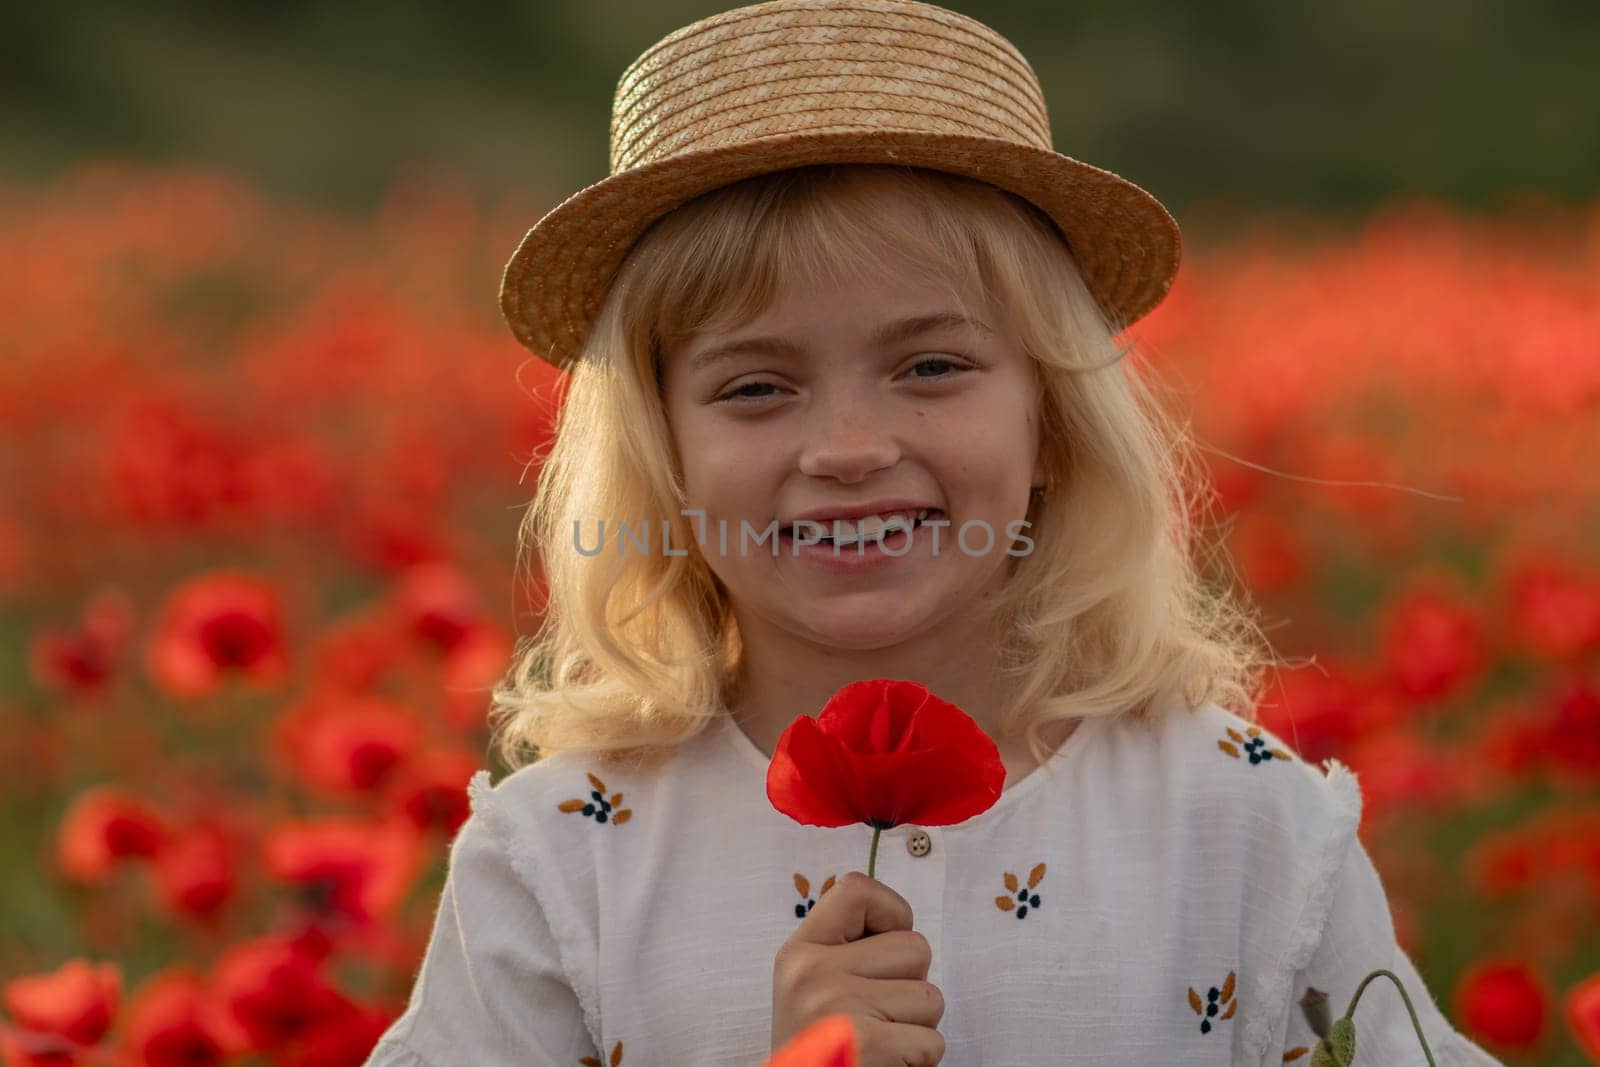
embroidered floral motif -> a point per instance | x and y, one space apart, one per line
594 1061
597 805
1295 1053
1215 998
1025 898
1255 746
803 886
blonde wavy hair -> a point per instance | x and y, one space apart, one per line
1110 613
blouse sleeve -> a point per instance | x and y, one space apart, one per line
491 989
1357 939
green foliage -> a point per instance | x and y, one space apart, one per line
1209 106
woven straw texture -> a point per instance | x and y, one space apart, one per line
795 82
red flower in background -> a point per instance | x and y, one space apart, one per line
1559 844
348 743
432 789
884 752
102 827
828 1042
1502 1002
1581 1006
267 994
169 1025
351 871
1511 741
77 1001
392 536
1504 863
1572 737
1402 770
166 462
216 626
1556 733
342 1036
475 663
354 653
1554 607
1321 709
291 479
83 659
436 605
197 872
1432 645
1268 553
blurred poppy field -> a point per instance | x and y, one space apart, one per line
263 467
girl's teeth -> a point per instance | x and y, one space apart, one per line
868 528
874 527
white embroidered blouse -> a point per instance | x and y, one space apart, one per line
1160 891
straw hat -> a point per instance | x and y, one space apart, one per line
795 82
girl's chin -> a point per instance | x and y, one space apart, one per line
861 631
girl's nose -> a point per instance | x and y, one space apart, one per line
848 439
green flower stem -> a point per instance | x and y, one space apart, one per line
872 857
1351 1010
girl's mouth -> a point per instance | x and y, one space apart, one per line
860 536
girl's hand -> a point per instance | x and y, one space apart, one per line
855 954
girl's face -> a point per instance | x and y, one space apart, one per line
832 408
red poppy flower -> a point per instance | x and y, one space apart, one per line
354 653
1503 863
164 462
347 743
432 789
168 1023
472 665
1555 607
1582 1005
436 604
343 1036
1572 737
103 826
76 1001
266 994
885 752
197 871
828 1042
1401 770
1433 644
1324 709
83 658
391 536
215 626
350 870
1502 1002
1511 742
1269 555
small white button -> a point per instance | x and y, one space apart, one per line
919 843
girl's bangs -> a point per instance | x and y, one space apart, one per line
732 249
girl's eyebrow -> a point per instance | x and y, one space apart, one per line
887 334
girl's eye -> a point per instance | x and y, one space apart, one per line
953 367
740 394
936 361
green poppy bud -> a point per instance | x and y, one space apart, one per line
1318 1015
1343 1040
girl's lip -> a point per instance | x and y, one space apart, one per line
825 516
867 555
787 532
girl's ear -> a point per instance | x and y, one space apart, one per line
1040 480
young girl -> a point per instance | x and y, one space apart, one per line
839 272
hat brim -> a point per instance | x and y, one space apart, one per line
1126 244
